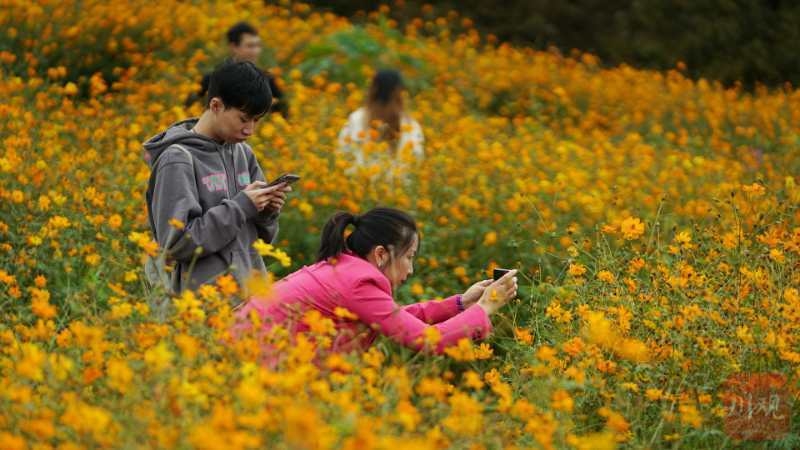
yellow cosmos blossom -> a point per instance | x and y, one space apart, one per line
632 228
265 249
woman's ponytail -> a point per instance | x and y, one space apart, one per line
379 226
333 241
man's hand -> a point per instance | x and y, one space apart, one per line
269 198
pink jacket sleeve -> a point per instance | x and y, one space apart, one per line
434 311
375 307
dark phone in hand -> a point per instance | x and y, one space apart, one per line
498 273
287 178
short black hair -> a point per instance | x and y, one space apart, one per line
235 32
242 86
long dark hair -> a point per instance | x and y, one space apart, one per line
378 226
385 102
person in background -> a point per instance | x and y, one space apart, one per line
357 273
383 118
244 44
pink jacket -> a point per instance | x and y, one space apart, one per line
353 283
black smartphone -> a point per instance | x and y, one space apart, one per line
287 178
498 273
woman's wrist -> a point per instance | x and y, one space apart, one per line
486 308
460 302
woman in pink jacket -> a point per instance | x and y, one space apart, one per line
358 273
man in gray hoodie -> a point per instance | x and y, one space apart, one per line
207 199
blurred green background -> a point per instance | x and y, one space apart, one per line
748 41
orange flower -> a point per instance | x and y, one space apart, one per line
227 285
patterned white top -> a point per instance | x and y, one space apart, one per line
355 134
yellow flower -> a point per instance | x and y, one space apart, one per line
523 335
431 337
188 306
606 276
407 415
158 357
10 441
121 311
755 189
684 238
131 276
318 324
40 304
776 255
614 420
472 380
265 249
594 441
177 224
93 259
653 394
373 357
227 285
635 265
576 270
306 209
562 401
490 238
574 346
188 345
42 429
258 284
70 88
251 393
690 415
120 375
632 228
344 313
88 419
145 242
602 332
466 415
115 221
44 203
546 353
30 364
633 350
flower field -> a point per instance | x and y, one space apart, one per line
654 220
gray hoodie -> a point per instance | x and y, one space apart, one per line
199 182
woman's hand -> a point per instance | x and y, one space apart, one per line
471 295
499 293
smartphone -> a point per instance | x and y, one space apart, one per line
287 178
498 273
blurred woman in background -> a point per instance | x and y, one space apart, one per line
383 119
